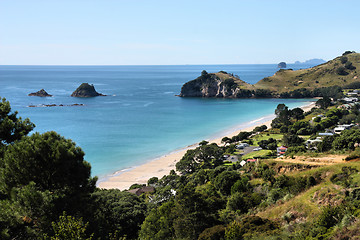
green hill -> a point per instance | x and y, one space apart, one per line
285 83
339 71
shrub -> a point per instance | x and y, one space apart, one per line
225 180
343 59
330 216
353 155
348 52
153 181
349 66
213 233
295 149
292 140
341 71
317 119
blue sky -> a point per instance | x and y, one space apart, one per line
143 32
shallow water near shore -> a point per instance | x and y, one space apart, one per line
140 119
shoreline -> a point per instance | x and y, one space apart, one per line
161 166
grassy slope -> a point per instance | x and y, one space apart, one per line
323 75
241 84
305 203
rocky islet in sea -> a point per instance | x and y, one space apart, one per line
40 93
86 90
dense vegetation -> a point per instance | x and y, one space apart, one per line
47 192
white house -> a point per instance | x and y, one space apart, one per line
340 128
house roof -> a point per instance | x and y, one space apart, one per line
139 191
251 160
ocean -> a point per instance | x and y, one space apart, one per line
140 118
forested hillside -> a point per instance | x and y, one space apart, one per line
309 192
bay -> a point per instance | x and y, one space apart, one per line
140 119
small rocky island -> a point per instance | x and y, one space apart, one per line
282 65
41 93
86 90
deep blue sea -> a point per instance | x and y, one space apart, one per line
140 119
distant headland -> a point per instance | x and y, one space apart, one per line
314 61
285 83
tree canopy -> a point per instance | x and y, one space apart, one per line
51 161
12 128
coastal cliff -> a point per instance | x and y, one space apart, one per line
216 85
304 83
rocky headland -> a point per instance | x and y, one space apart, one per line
41 93
335 74
86 90
216 85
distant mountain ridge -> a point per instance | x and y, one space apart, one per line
313 61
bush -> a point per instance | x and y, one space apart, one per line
347 139
343 178
349 66
353 85
259 128
294 150
152 181
343 59
225 180
317 119
270 144
238 203
348 52
353 155
330 216
249 226
214 233
229 83
341 71
292 140
241 185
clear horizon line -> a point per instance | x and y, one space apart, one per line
212 64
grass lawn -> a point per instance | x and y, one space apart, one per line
260 137
257 154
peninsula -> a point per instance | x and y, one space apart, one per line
285 83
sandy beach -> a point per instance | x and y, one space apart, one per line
162 166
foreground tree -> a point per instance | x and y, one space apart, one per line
69 227
51 161
116 212
12 128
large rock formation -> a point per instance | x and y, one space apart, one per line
282 65
217 85
41 93
86 90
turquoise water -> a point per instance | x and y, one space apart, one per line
140 119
